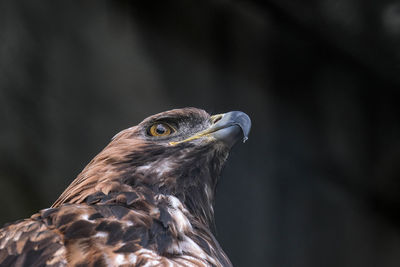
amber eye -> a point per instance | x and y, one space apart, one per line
160 129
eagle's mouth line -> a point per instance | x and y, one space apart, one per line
207 132
201 134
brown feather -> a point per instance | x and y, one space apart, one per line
139 201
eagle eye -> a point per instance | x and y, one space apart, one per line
160 129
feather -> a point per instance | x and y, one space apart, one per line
142 201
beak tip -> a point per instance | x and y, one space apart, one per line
244 122
234 118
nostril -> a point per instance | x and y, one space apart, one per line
216 118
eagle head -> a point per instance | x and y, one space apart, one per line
179 152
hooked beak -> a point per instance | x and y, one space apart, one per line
227 128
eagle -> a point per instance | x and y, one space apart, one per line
145 200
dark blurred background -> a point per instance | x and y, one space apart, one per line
317 184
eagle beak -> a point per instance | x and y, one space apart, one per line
227 128
230 127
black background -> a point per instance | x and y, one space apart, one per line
317 184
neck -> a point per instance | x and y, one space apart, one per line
191 182
111 174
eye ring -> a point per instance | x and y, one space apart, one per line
160 129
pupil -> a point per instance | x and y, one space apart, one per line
160 129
